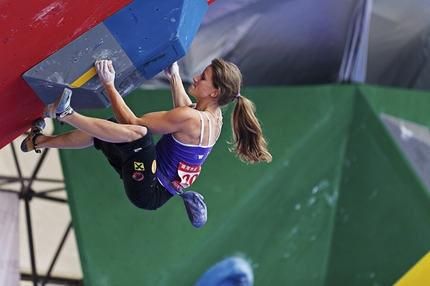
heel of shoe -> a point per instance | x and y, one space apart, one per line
29 143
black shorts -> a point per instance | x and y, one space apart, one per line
135 162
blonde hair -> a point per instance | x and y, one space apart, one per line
248 141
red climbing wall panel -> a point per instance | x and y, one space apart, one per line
30 31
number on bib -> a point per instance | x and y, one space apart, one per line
188 175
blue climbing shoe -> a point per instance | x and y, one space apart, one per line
61 107
196 208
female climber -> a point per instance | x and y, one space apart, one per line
153 173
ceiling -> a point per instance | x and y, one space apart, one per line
308 42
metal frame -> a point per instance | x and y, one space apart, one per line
26 193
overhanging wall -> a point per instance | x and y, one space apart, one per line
336 203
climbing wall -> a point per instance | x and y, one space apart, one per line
141 39
32 31
48 45
341 204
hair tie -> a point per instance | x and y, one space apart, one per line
237 96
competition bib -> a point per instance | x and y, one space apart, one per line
188 174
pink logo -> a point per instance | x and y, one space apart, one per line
138 176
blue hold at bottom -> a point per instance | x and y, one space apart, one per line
232 271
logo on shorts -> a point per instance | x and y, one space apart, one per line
138 166
154 167
138 176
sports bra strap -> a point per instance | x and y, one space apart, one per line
202 129
210 128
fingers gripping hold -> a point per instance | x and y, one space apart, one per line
171 70
105 71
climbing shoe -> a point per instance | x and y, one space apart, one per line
195 207
61 107
29 143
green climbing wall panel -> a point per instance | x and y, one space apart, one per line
339 205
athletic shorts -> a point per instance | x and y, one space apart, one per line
135 162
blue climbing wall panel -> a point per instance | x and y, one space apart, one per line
141 39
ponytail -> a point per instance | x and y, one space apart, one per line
248 141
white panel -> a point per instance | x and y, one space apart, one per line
9 237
